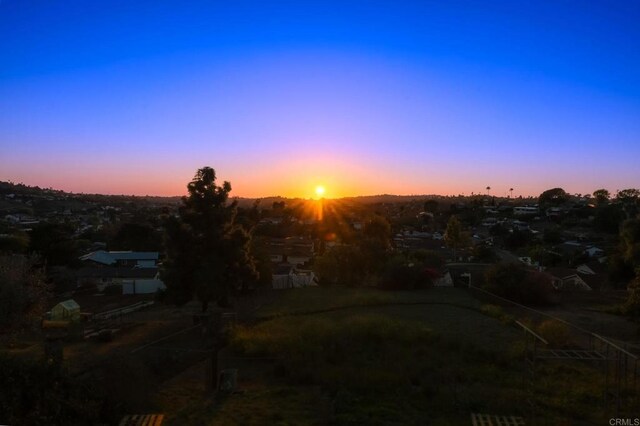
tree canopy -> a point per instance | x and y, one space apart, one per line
602 196
208 253
554 196
514 282
455 236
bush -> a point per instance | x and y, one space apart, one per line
495 311
39 392
410 272
554 332
632 306
515 282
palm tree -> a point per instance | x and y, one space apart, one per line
488 189
510 192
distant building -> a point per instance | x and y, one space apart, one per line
132 280
296 251
137 259
287 276
526 211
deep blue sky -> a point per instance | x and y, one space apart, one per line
364 97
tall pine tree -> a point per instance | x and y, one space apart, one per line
207 252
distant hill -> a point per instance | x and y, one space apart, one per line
363 199
7 188
20 189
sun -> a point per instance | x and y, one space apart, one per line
319 191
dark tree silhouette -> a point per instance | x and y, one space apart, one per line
630 199
23 292
431 206
554 196
602 196
54 243
515 282
207 252
136 236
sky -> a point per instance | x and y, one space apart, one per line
362 97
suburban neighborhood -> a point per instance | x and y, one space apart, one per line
103 292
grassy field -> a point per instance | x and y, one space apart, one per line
347 356
351 356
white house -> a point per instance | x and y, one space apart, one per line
132 280
444 281
286 276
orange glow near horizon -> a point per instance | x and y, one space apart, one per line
299 176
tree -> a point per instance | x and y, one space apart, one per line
484 253
630 241
54 242
23 292
488 190
455 236
552 235
632 305
375 243
630 194
137 237
554 196
602 196
630 198
608 218
626 259
514 282
510 192
208 253
431 206
407 273
342 265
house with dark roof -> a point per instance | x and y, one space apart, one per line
296 251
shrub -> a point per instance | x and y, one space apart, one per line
410 273
514 282
554 332
495 311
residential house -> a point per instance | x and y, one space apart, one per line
568 279
132 280
131 259
296 251
287 276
